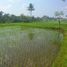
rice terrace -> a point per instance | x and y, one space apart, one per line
33 40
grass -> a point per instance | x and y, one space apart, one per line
61 59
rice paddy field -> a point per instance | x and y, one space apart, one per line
36 44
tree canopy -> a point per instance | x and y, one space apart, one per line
4 18
31 8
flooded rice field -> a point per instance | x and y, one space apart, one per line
30 47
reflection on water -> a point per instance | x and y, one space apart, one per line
28 47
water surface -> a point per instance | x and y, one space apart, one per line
30 47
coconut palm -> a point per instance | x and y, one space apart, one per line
31 8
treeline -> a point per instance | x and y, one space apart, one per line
4 18
7 18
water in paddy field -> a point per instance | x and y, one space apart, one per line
28 47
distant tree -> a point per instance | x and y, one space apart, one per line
59 16
1 16
56 14
1 13
31 8
23 17
66 16
6 18
13 18
45 18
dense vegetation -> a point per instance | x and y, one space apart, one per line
7 18
12 18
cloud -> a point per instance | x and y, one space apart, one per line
11 1
7 4
5 7
65 8
14 1
13 6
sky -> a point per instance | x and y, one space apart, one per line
42 7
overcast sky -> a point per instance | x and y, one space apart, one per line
42 7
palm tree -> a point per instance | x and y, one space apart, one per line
59 16
31 8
